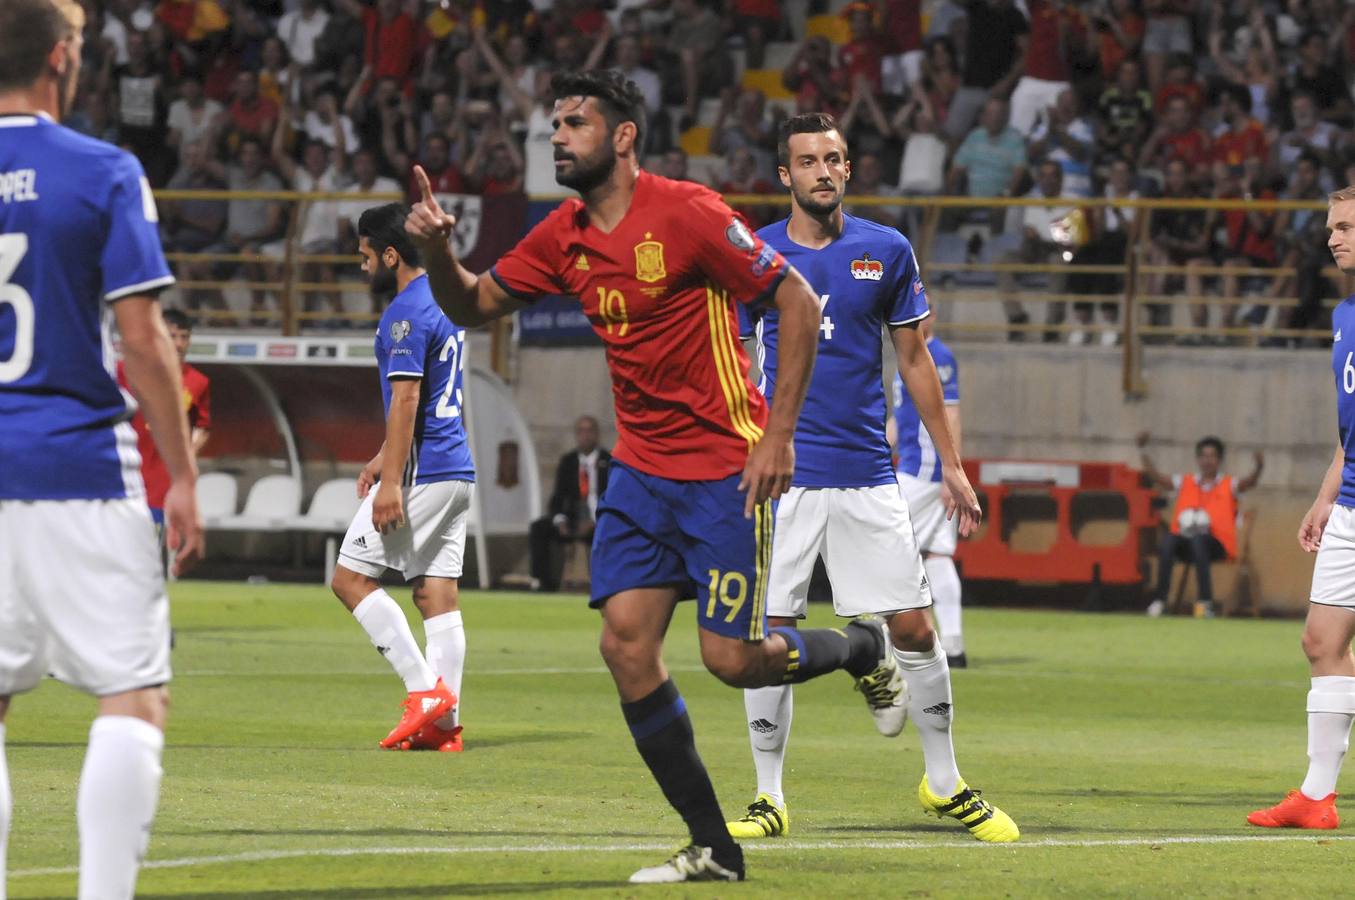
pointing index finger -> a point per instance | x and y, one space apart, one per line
425 188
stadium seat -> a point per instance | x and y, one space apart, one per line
217 494
273 502
331 510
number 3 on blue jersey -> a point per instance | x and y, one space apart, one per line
12 250
453 349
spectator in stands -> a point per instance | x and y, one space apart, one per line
1063 135
1259 71
192 225
276 73
193 118
300 28
742 121
1166 35
250 223
940 78
996 39
674 165
1111 227
141 110
1126 114
1043 241
810 75
1181 81
495 166
1177 138
865 124
1178 238
1310 134
922 171
1057 32
697 37
742 177
992 160
580 479
900 23
1240 137
1120 30
1300 244
324 122
365 180
1315 75
1246 240
436 160
251 114
628 59
861 56
390 38
868 181
759 21
94 117
1203 528
317 230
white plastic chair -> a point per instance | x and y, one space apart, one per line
217 494
331 510
273 502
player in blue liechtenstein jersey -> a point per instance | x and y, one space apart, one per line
82 594
416 491
844 503
1328 530
919 470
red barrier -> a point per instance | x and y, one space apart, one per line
1070 497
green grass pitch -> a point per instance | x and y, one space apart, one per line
1129 750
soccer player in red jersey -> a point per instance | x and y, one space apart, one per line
657 266
197 406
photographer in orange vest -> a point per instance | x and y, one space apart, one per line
1204 519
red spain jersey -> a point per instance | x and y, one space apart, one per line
197 406
660 291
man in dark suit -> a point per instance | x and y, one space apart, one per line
580 479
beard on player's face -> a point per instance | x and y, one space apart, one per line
818 202
382 277
586 172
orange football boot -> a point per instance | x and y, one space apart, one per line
431 737
421 708
1298 811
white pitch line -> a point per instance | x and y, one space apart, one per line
797 846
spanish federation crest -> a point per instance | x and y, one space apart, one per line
649 260
867 269
399 330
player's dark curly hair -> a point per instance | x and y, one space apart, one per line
178 318
384 226
617 96
805 123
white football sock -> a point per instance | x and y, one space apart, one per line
769 714
6 809
119 788
445 647
945 583
1331 709
383 620
928 677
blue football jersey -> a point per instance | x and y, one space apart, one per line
1343 365
866 279
78 231
415 340
917 453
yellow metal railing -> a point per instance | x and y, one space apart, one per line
281 276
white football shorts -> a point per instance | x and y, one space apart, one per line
868 548
935 533
1334 572
82 596
431 542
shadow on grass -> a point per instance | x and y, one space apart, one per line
488 889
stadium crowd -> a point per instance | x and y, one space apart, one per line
985 98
